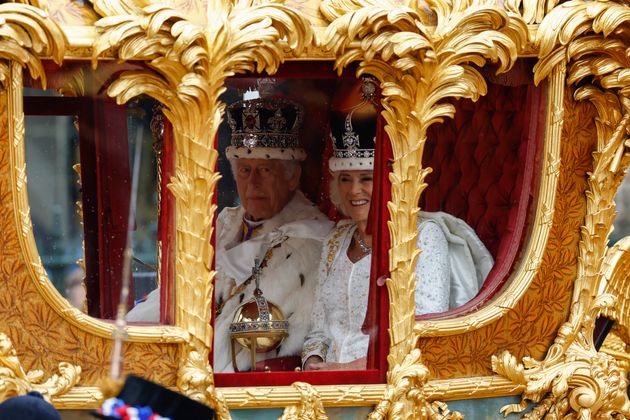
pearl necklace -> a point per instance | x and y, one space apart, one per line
362 245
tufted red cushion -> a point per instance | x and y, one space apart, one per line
483 172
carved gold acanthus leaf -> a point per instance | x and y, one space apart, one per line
616 346
405 396
574 377
532 11
419 66
309 407
195 380
26 35
14 380
186 67
591 36
615 275
422 54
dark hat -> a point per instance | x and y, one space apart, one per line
140 394
31 406
267 127
353 116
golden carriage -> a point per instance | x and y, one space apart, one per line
527 340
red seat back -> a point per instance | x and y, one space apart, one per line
483 164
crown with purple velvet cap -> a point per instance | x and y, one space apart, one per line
267 127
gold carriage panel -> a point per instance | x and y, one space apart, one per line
533 337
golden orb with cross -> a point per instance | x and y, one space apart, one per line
258 325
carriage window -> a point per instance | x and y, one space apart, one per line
275 287
80 151
483 184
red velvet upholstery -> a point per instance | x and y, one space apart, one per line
483 172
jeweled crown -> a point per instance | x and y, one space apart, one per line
353 127
265 128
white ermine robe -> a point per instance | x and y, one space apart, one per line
288 279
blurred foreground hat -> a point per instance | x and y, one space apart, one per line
144 399
353 116
266 127
31 406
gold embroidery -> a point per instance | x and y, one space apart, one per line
333 243
314 349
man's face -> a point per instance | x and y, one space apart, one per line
263 187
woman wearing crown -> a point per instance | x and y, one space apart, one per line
449 271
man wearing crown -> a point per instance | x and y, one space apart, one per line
274 225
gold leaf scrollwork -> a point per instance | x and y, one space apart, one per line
187 65
26 35
422 54
573 375
404 395
15 381
574 378
195 380
616 273
309 407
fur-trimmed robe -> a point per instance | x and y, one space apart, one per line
288 280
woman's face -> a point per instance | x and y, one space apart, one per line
355 190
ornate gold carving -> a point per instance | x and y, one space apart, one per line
405 396
15 381
372 394
38 323
615 274
282 396
309 407
616 347
48 331
530 326
158 334
574 377
418 65
187 66
553 273
533 11
27 33
194 381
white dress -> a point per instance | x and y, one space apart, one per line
341 296
449 272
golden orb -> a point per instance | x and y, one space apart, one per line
259 326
